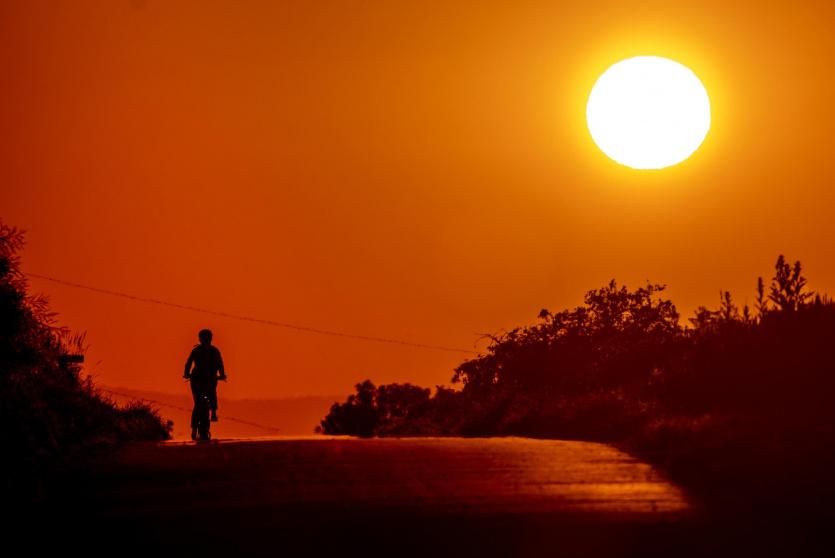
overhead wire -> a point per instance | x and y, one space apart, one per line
268 322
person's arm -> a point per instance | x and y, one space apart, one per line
220 366
189 362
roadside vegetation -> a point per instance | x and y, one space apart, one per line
48 412
737 404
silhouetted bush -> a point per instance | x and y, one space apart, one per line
575 373
47 411
358 416
726 404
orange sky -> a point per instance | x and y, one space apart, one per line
417 170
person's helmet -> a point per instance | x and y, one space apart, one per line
205 335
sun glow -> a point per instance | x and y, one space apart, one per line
648 112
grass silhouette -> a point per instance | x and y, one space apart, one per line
47 411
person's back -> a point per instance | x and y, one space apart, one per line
207 362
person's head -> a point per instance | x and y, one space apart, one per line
205 336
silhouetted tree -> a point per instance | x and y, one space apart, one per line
787 286
761 303
728 311
397 402
358 416
617 332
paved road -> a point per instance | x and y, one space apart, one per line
425 496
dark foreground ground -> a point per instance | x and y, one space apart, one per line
394 497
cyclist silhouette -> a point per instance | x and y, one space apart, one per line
207 370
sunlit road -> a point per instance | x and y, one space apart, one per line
415 496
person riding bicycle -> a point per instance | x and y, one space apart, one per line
207 370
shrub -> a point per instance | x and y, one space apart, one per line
47 411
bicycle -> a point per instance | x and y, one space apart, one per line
204 392
201 425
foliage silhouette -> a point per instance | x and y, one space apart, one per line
734 399
47 411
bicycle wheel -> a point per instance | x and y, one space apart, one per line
203 427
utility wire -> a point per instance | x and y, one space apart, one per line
273 323
161 404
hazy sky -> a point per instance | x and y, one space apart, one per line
418 170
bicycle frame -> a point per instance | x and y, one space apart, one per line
200 417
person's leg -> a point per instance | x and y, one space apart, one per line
195 393
213 398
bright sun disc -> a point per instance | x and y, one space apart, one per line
648 112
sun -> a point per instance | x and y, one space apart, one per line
648 112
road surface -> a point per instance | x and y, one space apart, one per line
419 496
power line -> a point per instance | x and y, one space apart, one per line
161 404
228 315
